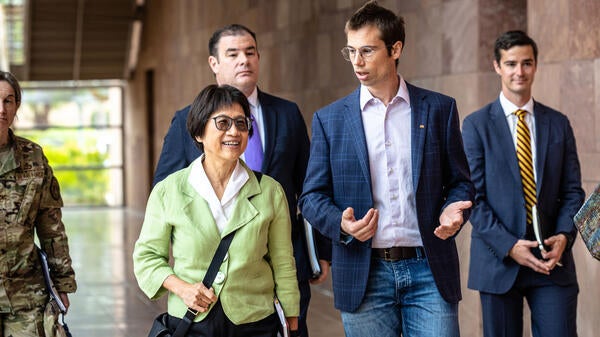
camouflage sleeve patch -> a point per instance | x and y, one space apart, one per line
51 192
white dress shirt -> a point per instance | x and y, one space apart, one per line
388 135
509 108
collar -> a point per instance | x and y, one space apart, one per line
11 141
509 107
366 96
10 158
253 98
202 186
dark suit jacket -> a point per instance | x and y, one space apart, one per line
285 159
338 177
498 218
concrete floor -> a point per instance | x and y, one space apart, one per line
108 301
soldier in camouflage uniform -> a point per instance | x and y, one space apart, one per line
30 202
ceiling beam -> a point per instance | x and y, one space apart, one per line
78 40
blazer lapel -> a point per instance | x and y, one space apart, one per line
270 124
501 133
542 133
419 116
356 131
194 208
244 210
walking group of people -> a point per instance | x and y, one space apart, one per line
387 179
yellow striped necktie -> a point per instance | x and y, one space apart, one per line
525 163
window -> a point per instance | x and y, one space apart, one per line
81 131
13 26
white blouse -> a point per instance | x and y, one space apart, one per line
221 209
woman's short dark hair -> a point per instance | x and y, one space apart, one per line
210 100
12 80
513 38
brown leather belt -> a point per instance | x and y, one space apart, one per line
398 253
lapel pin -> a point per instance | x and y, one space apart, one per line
421 126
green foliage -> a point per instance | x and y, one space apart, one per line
77 163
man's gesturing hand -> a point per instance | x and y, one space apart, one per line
451 219
362 229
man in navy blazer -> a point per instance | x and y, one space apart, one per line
234 59
388 183
507 264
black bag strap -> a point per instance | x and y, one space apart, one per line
258 175
190 314
211 273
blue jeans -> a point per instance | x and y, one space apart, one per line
401 297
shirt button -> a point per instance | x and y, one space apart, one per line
219 278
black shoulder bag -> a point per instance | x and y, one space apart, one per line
159 325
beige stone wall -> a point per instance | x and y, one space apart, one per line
448 49
568 78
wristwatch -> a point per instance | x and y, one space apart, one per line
294 333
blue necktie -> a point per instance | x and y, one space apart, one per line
254 151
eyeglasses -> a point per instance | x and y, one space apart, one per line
224 123
365 52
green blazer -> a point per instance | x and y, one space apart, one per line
259 263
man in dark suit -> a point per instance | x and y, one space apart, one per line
281 135
388 183
523 162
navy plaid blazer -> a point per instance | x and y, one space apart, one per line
338 177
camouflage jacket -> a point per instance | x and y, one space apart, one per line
30 204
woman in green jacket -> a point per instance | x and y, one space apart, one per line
30 204
192 209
